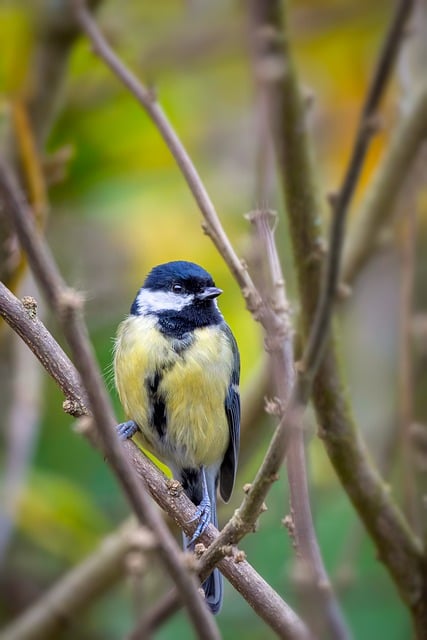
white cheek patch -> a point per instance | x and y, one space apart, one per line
149 301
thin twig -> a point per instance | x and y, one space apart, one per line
274 319
53 613
313 583
378 204
169 495
21 435
67 305
22 317
398 549
30 161
258 593
147 99
156 616
288 434
56 33
367 127
321 607
305 226
406 374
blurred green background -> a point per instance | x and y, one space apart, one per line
123 207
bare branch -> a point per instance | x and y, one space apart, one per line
24 321
156 616
273 319
54 612
265 601
322 608
148 101
56 33
67 305
305 229
396 546
319 331
379 202
258 593
20 437
411 504
288 436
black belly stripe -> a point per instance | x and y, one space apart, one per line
158 405
158 413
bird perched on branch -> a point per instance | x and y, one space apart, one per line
177 371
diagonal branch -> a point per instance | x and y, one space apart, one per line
290 135
67 306
147 99
273 316
396 546
379 202
367 127
48 617
317 595
169 495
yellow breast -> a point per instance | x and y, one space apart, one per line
193 384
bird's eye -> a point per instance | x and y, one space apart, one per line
177 288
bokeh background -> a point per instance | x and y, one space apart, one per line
121 207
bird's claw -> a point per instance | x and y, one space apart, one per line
126 430
203 515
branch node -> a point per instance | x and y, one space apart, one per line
70 300
84 425
271 65
226 550
344 291
174 488
288 522
308 98
332 199
268 216
190 560
373 124
30 305
199 550
318 252
151 93
253 303
239 556
76 408
135 563
206 228
142 539
274 406
299 367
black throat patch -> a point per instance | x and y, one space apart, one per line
181 324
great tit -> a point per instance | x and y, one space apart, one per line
177 370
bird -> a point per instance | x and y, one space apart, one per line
177 371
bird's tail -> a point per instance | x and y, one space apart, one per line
213 585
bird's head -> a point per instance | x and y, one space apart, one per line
176 287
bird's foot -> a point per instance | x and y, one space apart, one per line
126 430
203 515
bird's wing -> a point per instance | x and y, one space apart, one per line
232 410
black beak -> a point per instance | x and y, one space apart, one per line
209 293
